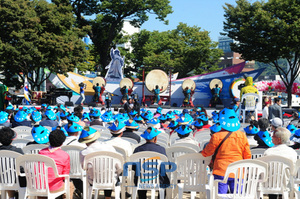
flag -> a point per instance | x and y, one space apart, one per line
26 89
174 76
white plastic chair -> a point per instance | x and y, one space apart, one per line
22 129
103 164
122 151
162 143
8 175
257 153
99 128
250 102
199 137
131 140
175 151
148 182
297 179
193 174
76 170
280 171
20 142
34 148
247 175
36 172
188 145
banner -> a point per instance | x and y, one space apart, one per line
26 89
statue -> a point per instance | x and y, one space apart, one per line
114 72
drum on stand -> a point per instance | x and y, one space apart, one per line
215 82
189 83
126 82
157 78
99 80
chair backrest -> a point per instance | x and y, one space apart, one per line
122 151
188 145
99 127
247 175
298 153
175 151
297 172
250 100
152 160
22 129
104 166
199 137
280 170
131 140
8 176
75 164
162 143
20 142
192 170
36 172
34 148
257 153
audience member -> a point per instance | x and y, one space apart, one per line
40 135
131 128
275 123
295 119
20 120
183 132
96 118
4 121
275 111
7 135
50 119
296 139
263 138
74 130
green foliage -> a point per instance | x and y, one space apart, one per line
38 34
267 32
183 49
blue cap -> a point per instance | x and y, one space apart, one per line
61 128
291 128
203 117
20 116
73 118
3 117
117 127
10 107
265 136
183 120
197 123
50 114
29 110
170 115
88 135
133 112
107 117
229 120
43 105
159 109
120 117
153 121
143 110
162 117
49 108
64 114
173 124
183 129
150 135
86 116
40 134
138 118
176 112
131 124
216 128
36 116
95 113
73 128
148 115
253 131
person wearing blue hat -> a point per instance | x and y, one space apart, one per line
20 119
215 128
226 148
74 130
263 137
163 118
50 119
150 135
89 137
204 120
107 117
183 133
158 112
40 135
36 117
95 114
116 129
172 125
154 122
131 127
4 119
86 119
139 120
63 118
198 126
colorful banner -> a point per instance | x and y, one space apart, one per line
26 90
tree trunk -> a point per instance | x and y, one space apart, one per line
289 92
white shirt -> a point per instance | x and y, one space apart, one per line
252 141
119 142
73 141
284 151
265 112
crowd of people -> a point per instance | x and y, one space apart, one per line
228 143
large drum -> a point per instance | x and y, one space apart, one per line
189 83
126 82
157 77
213 83
99 80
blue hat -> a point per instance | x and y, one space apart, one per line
3 117
291 128
133 112
176 112
183 120
62 107
49 108
153 121
143 110
40 134
29 110
50 114
197 123
216 128
296 136
203 117
73 128
173 124
131 124
88 135
148 115
183 129
36 116
170 115
229 120
10 107
20 116
73 118
85 116
64 114
159 109
120 117
150 135
43 105
107 117
95 113
117 127
185 111
138 118
215 116
162 117
61 128
265 136
253 131
126 116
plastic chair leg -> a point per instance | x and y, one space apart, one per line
134 192
285 195
193 194
180 191
152 193
161 193
117 192
96 194
22 193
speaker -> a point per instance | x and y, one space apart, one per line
69 104
93 104
219 107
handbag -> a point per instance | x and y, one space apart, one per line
211 164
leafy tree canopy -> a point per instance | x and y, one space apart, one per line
183 49
267 32
38 34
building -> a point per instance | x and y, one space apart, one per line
128 29
231 58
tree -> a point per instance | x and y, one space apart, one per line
267 32
183 49
36 35
106 28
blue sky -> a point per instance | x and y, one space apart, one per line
207 14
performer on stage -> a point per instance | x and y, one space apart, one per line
82 87
187 96
98 93
124 92
156 93
216 96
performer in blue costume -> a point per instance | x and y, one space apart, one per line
187 96
216 96
156 93
97 90
124 92
82 87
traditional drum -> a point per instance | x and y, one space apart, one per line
213 83
189 83
126 82
99 80
236 86
157 77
